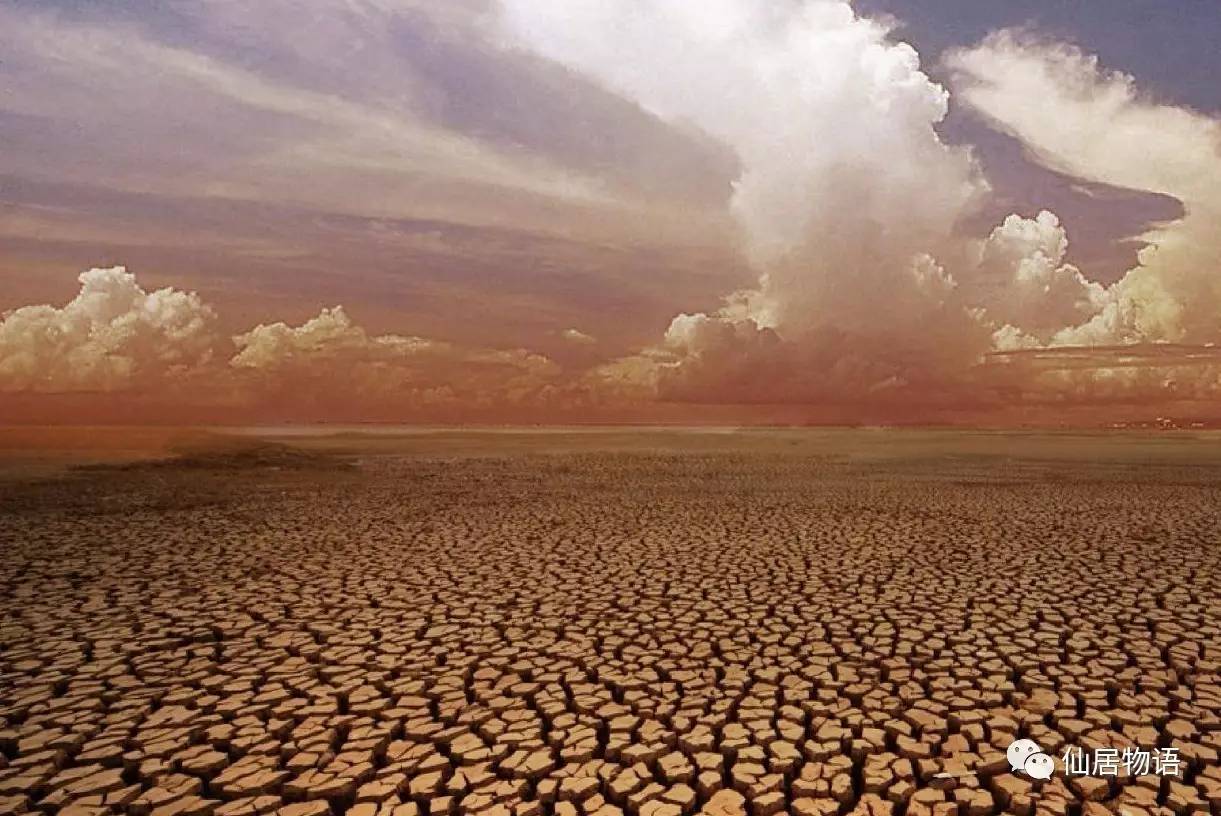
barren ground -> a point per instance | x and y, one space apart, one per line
612 623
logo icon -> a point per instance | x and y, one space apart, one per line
1027 757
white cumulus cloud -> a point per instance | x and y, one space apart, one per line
1023 280
330 359
113 335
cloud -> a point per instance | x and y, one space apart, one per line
388 110
845 194
1096 126
1139 374
334 129
1085 121
156 346
112 336
813 101
329 362
848 201
802 130
578 337
727 359
1023 281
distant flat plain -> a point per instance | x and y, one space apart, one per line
48 449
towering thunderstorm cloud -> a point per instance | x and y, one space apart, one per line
845 190
848 201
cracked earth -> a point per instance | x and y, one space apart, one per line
602 634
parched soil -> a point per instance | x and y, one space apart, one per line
607 633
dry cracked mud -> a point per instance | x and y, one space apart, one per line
598 633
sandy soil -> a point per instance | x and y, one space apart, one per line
655 623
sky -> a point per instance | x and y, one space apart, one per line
975 212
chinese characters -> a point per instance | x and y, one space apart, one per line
1129 761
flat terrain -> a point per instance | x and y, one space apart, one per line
608 622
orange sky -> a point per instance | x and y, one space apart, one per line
541 211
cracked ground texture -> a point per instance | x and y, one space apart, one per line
739 630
